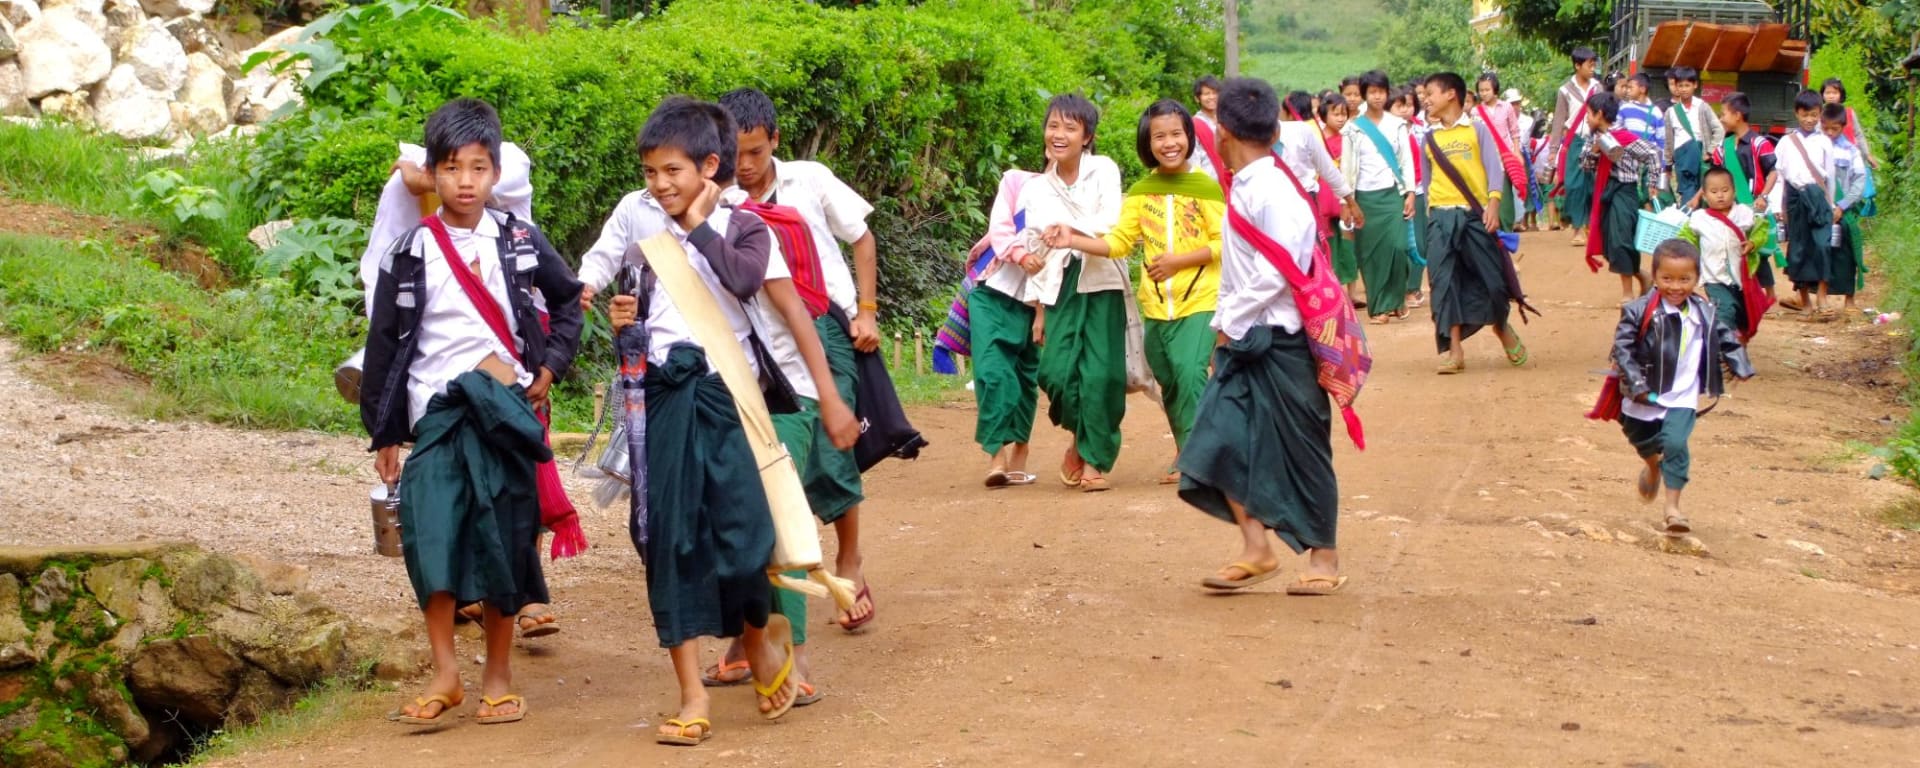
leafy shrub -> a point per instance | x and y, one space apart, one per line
319 257
168 194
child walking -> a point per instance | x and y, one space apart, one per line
1206 154
1375 156
1749 157
1174 215
1691 129
1622 163
1668 349
458 359
1567 143
1845 269
1332 119
1729 235
1473 278
1804 164
1261 453
1401 104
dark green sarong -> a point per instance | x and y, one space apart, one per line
1178 352
1006 368
1847 270
1809 227
709 530
832 479
469 508
1264 439
800 432
1577 205
1469 282
1688 166
1346 263
1083 367
1619 217
1382 250
1729 307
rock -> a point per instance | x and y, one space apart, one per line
157 57
26 560
1625 538
7 46
1684 545
1807 547
173 9
1590 529
116 586
19 13
258 694
52 590
127 108
276 577
13 628
202 581
76 107
313 656
113 709
267 235
204 108
193 675
13 92
196 36
61 52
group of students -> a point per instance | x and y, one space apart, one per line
474 314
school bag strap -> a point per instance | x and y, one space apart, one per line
1383 146
1477 211
1807 160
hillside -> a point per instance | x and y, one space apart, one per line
1303 45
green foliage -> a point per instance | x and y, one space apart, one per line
1426 36
168 194
64 165
1528 64
320 257
1562 24
1298 45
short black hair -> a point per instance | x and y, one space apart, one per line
1489 77
1684 75
1833 113
1329 105
1715 170
1642 79
1403 93
460 123
1583 54
1604 104
1075 107
1834 83
1299 105
1737 103
1250 110
1676 248
1449 81
1206 81
723 123
751 109
1807 100
683 123
1143 137
1355 81
1375 79
1611 81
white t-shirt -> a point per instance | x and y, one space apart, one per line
1685 392
1252 291
454 337
1300 145
833 211
1365 167
1095 191
666 327
1721 260
635 218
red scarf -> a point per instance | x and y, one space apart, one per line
796 244
1516 168
1597 234
1753 296
1203 134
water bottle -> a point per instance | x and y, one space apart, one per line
1833 239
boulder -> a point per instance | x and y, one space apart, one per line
28 560
157 57
112 708
203 581
76 107
7 46
123 14
173 9
129 109
267 235
13 92
196 36
13 628
258 694
93 12
116 586
276 577
309 658
203 108
195 676
61 53
19 12
52 590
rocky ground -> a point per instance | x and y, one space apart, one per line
1509 604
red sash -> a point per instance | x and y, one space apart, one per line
1516 168
1755 298
796 244
1203 135
1597 234
1566 139
489 309
1607 406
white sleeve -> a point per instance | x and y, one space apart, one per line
602 261
1403 148
397 213
514 192
846 210
1328 172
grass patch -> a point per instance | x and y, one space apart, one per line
1903 514
250 357
335 701
1297 45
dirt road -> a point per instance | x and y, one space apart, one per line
1507 606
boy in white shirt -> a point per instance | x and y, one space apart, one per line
1692 130
1729 236
1803 166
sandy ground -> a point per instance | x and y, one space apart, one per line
1507 604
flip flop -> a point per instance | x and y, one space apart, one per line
471 612
719 675
778 627
1450 368
1171 478
681 739
1649 486
1254 576
873 609
519 713
997 478
1518 355
1021 478
1316 586
1094 485
808 696
539 628
447 703
1677 525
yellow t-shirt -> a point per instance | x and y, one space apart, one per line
1197 223
1461 143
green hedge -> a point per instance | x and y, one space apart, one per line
919 107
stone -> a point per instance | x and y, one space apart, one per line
13 92
306 657
7 46
28 560
194 675
1691 546
75 108
61 52
13 628
113 709
276 577
267 235
19 13
157 57
116 586
52 590
202 581
1807 547
258 694
1591 530
127 108
196 36
203 108
173 9
123 14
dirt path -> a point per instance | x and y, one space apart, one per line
1041 627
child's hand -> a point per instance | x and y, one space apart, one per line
418 181
1491 217
703 205
623 311
1057 236
1162 268
1030 261
386 463
586 298
1406 211
843 428
1747 248
1039 328
537 391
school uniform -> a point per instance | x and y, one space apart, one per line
470 508
1417 240
635 218
1503 121
1749 157
1375 160
1568 141
1177 314
1263 434
1466 265
1206 150
1644 120
1006 362
1629 161
1806 171
1691 128
398 212
1846 272
1340 239
1678 358
1083 362
1723 263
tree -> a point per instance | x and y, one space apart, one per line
1562 24
1427 36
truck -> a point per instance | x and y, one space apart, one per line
1762 50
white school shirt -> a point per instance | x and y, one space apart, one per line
1706 126
398 212
1526 131
1095 191
767 320
1200 162
1685 392
453 337
1305 152
1362 164
635 218
666 327
1797 169
1252 291
1721 260
832 210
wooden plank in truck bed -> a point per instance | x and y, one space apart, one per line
1666 42
1764 48
1731 51
1699 46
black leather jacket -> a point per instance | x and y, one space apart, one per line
1648 361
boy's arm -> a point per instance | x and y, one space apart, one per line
838 419
1713 131
1557 129
740 258
1854 187
602 261
1633 381
564 314
1328 172
846 213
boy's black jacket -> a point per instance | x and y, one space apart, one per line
529 261
1648 361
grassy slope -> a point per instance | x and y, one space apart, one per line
1330 40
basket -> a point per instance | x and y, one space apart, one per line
1656 228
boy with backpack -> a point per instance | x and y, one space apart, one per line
1802 170
1748 156
1850 173
1567 142
1691 129
1622 166
456 362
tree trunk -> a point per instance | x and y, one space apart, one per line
1233 37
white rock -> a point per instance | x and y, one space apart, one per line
91 11
129 109
282 94
195 35
8 48
74 107
202 104
267 235
61 53
13 92
1807 547
157 57
173 9
19 12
